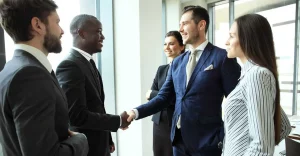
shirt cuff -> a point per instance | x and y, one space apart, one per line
120 121
136 112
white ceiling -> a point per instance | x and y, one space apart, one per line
183 1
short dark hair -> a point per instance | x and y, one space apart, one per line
81 22
256 41
16 16
199 13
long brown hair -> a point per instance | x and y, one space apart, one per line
256 40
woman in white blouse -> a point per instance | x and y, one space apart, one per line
253 119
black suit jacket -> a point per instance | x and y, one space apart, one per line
158 82
86 97
34 112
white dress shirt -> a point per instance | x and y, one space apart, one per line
38 54
83 53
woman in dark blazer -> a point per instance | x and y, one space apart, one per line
162 121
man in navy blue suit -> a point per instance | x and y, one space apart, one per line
199 79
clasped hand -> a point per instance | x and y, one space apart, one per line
127 118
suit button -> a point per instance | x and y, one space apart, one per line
220 145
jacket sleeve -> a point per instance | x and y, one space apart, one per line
72 81
33 105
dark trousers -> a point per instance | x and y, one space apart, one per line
180 149
162 145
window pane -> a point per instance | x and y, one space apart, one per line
281 16
9 46
221 26
65 20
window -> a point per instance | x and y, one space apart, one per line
65 20
221 25
281 16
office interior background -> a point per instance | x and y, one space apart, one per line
133 49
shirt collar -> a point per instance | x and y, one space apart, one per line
246 67
201 47
83 53
38 54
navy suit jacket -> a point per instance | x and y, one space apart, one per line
199 102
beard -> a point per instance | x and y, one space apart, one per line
194 37
52 43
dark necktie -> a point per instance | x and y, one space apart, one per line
54 77
53 74
94 67
99 87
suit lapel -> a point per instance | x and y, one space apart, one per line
92 75
205 54
54 79
162 75
28 55
165 72
183 70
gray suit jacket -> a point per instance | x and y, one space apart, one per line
34 112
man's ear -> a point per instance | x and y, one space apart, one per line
81 33
202 25
38 26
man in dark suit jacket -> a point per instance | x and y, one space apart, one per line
33 108
82 84
197 126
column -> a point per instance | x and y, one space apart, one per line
137 48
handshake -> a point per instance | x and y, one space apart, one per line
127 118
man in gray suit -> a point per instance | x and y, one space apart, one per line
33 108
